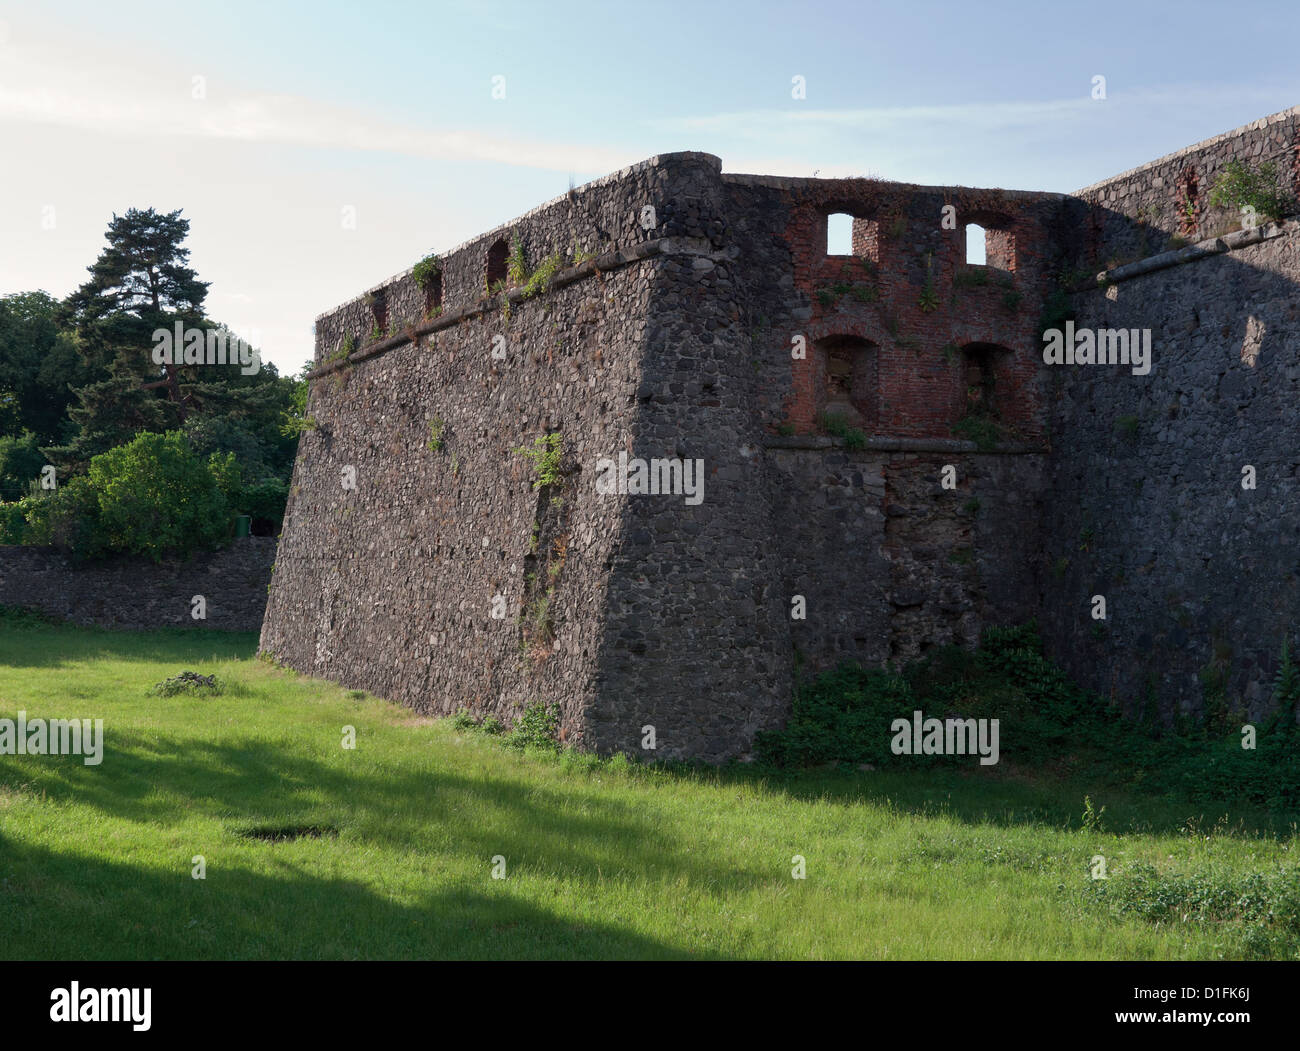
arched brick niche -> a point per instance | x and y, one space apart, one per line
850 369
987 381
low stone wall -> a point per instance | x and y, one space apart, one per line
138 593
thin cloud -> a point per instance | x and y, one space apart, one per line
114 101
879 119
974 116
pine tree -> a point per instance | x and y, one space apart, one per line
140 283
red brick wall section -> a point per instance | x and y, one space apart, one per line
898 291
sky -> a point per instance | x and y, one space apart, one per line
271 123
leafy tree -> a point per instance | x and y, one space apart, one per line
295 419
21 461
39 359
141 282
13 521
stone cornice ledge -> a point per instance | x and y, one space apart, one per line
901 445
1199 250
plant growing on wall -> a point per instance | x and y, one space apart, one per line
980 427
539 280
1286 686
517 264
838 427
1243 185
296 419
545 455
345 348
426 270
436 428
929 297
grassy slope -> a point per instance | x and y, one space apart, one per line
603 860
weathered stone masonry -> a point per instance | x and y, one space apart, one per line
671 331
137 593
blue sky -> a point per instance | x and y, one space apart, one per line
387 108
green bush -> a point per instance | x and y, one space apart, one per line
68 518
538 727
1043 718
979 427
1242 184
264 500
1266 903
545 454
837 426
843 716
426 270
13 522
25 617
190 682
152 496
227 475
156 496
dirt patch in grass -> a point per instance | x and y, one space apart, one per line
283 833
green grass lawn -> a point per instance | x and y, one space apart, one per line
602 859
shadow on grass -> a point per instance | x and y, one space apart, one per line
582 832
80 907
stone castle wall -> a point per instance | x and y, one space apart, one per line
1146 505
888 561
674 342
1141 212
391 586
698 316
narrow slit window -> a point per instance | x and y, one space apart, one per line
433 294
